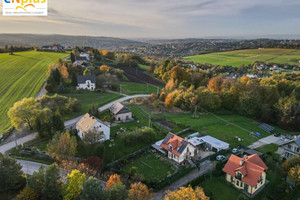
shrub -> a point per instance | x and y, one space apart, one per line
145 135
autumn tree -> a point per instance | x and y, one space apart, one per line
187 193
25 113
28 194
104 68
113 179
93 136
92 190
69 166
294 174
215 84
139 191
62 147
86 72
74 184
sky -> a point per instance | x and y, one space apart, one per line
162 18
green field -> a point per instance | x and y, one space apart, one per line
139 88
22 75
223 127
246 57
151 167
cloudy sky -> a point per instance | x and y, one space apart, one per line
162 18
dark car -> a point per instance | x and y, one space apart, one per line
277 134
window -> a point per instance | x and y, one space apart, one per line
237 183
296 149
241 184
231 179
289 146
238 176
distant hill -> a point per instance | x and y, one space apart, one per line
108 43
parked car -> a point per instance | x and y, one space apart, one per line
220 157
277 134
235 150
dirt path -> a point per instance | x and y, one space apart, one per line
205 167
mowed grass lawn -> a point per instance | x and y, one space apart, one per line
118 149
246 57
150 167
89 99
234 125
22 75
139 88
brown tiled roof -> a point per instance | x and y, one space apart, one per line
252 168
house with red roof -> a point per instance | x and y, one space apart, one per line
247 174
178 148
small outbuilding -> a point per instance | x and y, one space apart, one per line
86 82
120 112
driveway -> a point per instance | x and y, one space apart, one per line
267 140
205 167
8 146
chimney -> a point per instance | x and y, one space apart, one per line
242 161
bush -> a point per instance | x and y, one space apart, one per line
145 136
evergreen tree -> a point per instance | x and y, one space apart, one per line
72 57
61 88
74 79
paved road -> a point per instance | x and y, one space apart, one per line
205 167
29 167
72 122
6 147
267 140
42 91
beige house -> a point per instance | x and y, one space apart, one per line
290 149
246 174
178 148
120 112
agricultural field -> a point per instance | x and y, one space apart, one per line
22 75
139 88
246 57
223 127
150 166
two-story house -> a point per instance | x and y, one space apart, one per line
86 82
290 149
89 123
246 174
178 148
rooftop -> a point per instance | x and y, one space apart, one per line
251 167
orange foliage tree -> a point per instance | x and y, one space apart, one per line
104 68
139 191
215 84
113 179
187 193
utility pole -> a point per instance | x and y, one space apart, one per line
157 91
15 137
149 121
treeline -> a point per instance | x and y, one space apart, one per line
274 100
12 49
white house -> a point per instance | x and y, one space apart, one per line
120 112
79 60
86 82
178 148
86 55
89 123
290 149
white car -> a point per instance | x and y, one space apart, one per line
235 150
220 157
